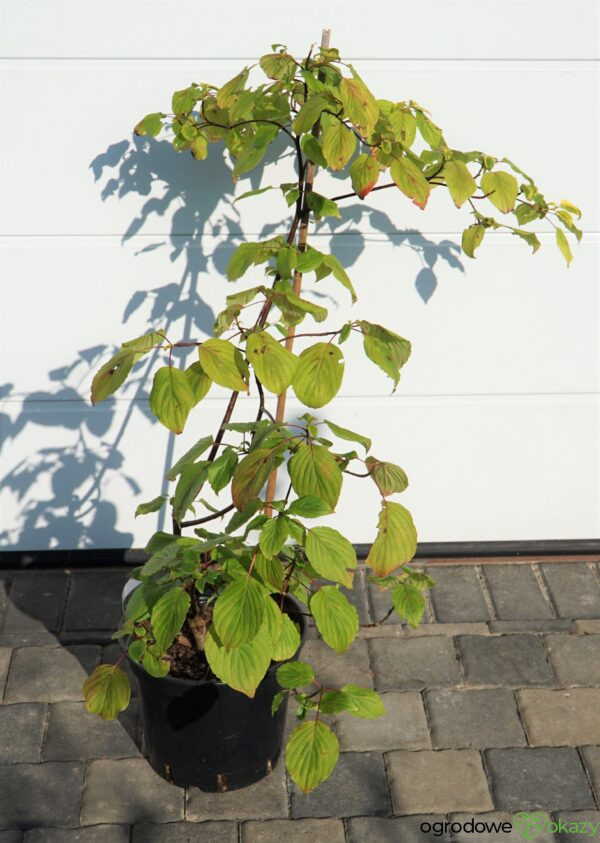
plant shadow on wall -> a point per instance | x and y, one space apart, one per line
65 492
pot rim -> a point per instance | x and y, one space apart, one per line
179 680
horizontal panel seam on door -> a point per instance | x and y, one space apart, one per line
370 237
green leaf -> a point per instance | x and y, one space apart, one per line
242 668
171 398
274 365
191 480
503 189
411 181
364 173
251 475
151 506
336 618
338 145
313 150
111 375
339 273
408 602
321 206
249 193
223 364
309 113
293 308
198 380
459 180
404 125
160 559
472 238
295 675
229 92
570 207
314 471
529 237
348 435
190 456
199 148
183 101
221 470
107 691
289 640
156 666
278 66
142 599
242 259
253 150
388 478
168 615
309 506
318 375
526 213
567 220
563 245
239 611
362 702
277 700
331 554
269 571
311 754
150 125
359 104
286 260
396 541
430 133
273 536
386 349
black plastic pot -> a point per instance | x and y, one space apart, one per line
205 734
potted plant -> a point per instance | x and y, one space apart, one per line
213 629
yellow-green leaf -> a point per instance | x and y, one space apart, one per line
563 245
309 113
274 365
311 754
273 535
278 65
396 541
318 374
359 104
314 471
409 602
243 667
151 506
569 206
388 478
338 145
339 273
503 189
251 475
171 398
364 173
198 380
149 125
111 375
349 435
386 349
239 611
168 615
287 644
331 554
335 617
472 238
107 691
223 364
459 180
295 675
362 702
410 180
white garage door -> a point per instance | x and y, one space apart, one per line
496 419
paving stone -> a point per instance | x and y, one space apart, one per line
475 825
380 603
358 786
474 719
11 836
403 726
28 638
185 832
561 718
591 758
588 627
267 799
296 831
545 779
75 734
36 603
574 588
396 829
515 593
21 730
448 629
95 600
587 823
128 791
438 782
553 625
91 834
414 663
336 669
575 659
40 794
5 657
504 660
49 674
457 595
358 596
4 585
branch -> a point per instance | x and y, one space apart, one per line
208 517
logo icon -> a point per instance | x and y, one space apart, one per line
529 825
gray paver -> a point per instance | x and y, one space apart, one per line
358 596
515 593
266 799
587 823
186 832
11 836
552 625
575 659
574 588
414 663
95 600
504 660
590 626
4 584
36 603
591 759
357 786
334 669
49 674
561 717
380 603
57 789
403 726
472 718
21 730
91 834
398 829
5 657
457 595
438 782
73 733
296 831
545 779
128 791
474 829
